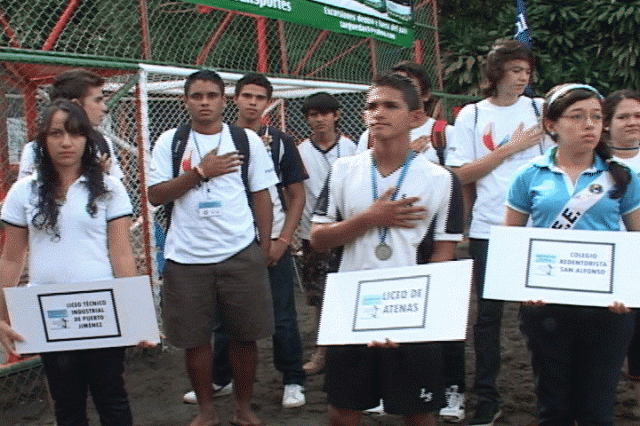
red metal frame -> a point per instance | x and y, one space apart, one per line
284 59
417 51
374 57
261 43
144 202
338 57
316 44
202 56
144 29
59 27
13 39
436 43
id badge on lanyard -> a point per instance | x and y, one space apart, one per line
209 208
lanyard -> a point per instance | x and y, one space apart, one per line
195 140
382 233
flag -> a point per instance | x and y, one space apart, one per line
523 33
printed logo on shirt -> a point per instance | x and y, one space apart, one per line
186 161
487 138
595 188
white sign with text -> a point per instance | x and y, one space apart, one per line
407 304
56 317
574 267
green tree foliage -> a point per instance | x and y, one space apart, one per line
590 41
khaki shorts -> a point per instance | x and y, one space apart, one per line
235 291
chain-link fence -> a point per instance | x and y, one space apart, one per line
41 38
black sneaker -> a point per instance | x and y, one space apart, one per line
486 414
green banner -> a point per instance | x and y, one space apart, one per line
385 20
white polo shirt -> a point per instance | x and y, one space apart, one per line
350 192
318 162
81 253
213 221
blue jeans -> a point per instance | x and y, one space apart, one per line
287 345
486 331
101 371
576 354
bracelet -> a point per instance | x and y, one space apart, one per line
199 172
284 240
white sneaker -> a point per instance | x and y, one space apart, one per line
377 410
190 397
293 396
454 411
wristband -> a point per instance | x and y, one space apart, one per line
199 172
284 240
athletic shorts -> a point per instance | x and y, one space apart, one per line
408 379
315 266
235 292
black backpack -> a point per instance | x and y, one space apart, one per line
179 144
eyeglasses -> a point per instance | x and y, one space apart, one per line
582 118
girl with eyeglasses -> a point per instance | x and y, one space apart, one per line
576 351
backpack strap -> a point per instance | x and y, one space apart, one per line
241 142
439 139
475 125
276 155
536 110
178 145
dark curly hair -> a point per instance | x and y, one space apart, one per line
48 181
561 97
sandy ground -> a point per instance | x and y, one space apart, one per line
156 381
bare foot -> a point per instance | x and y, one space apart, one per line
204 420
246 418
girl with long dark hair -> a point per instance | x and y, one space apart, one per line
74 220
577 351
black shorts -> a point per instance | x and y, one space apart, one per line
408 379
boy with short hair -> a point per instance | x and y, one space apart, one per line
387 207
84 87
215 270
430 135
252 97
318 153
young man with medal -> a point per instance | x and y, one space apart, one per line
215 269
387 207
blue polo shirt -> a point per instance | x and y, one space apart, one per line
541 190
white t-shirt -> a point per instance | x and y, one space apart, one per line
212 221
633 163
467 145
350 192
81 253
318 162
28 161
424 130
